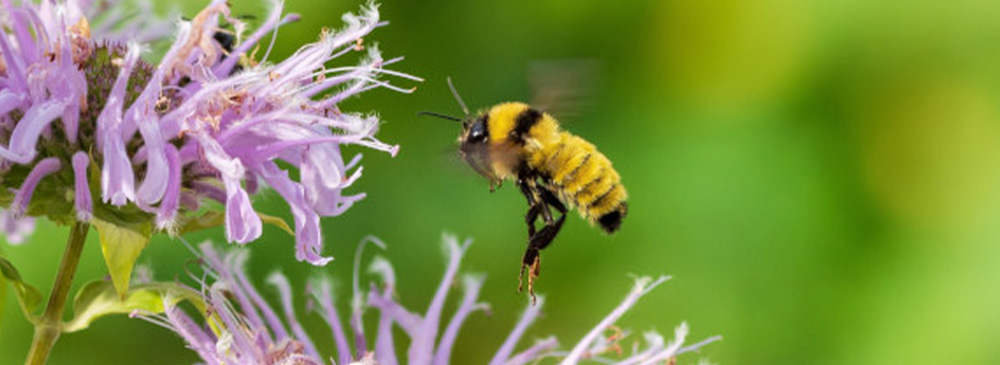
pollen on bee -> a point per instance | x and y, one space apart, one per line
357 44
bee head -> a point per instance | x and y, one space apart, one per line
474 128
474 139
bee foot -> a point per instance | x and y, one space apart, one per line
532 262
533 272
520 279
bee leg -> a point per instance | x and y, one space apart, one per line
531 255
541 239
550 198
531 259
531 217
551 229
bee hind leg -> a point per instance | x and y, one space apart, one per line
548 233
540 239
532 216
531 257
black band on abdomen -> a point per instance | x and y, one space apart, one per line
527 119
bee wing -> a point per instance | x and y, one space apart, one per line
563 87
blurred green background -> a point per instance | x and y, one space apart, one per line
822 179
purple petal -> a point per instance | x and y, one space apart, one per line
117 177
229 316
321 173
10 100
272 321
385 349
357 297
143 115
503 355
42 169
642 286
242 222
698 345
472 286
422 348
680 334
171 197
285 293
308 244
66 81
235 262
532 354
329 313
82 200
410 322
196 339
24 138
15 67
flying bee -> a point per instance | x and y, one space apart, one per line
554 169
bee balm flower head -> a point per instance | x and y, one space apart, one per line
89 129
242 328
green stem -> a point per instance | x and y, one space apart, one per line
49 326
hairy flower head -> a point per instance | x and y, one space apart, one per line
241 327
89 129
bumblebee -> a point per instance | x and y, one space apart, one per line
554 169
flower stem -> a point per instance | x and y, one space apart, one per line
49 326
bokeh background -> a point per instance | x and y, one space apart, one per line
822 179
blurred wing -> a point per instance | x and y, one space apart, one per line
563 88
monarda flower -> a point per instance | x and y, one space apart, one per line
237 326
90 131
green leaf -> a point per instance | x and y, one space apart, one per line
217 218
121 245
99 298
28 296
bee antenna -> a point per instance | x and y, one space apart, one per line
457 97
439 115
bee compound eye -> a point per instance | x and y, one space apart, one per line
478 130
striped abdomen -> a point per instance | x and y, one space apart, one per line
585 179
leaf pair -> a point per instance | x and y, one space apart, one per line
99 298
